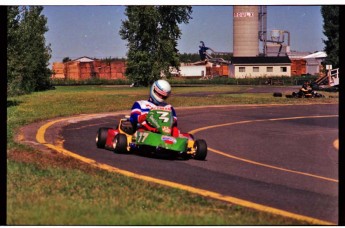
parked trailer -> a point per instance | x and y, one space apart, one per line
193 71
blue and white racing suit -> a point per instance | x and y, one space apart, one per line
144 106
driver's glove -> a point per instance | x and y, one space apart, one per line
142 118
148 127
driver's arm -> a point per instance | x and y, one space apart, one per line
174 115
304 89
135 113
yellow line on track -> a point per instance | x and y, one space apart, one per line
253 121
271 166
336 144
40 137
262 164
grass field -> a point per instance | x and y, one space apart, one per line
46 188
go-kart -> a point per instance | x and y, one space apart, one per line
126 138
308 94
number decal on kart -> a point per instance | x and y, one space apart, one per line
163 116
142 136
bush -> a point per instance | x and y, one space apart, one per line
299 80
234 81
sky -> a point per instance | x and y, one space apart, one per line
93 31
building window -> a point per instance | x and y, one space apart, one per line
255 69
242 69
283 69
269 69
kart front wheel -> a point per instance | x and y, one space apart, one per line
120 143
101 137
200 147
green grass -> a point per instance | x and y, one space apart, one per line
46 188
56 196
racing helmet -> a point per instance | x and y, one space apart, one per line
160 91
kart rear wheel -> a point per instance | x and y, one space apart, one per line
101 137
200 147
120 143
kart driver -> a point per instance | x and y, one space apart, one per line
159 92
305 89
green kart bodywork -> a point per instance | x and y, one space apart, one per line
163 121
161 141
127 138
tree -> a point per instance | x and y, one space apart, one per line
28 56
330 14
13 50
189 57
152 33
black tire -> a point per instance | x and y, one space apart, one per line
301 95
101 137
120 143
277 94
200 149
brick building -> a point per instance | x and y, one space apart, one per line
86 68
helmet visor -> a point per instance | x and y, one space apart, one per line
164 97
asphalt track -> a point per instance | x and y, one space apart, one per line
282 159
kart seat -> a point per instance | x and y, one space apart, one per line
127 127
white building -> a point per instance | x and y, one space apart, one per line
253 67
314 62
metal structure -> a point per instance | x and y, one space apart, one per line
204 55
245 30
262 23
277 37
332 78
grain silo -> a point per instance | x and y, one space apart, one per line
245 31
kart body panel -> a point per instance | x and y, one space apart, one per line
136 138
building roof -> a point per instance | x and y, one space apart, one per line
84 59
261 60
297 54
319 54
